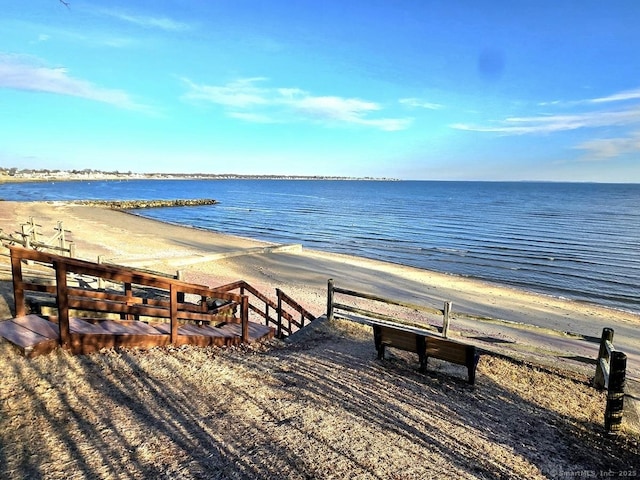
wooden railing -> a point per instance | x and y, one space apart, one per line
30 237
286 315
338 308
169 304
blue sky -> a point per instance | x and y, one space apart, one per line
415 89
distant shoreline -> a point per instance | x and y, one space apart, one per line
66 176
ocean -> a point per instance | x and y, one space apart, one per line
575 240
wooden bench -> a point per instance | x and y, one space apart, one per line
425 345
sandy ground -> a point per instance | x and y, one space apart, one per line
321 406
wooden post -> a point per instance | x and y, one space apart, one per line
615 394
101 283
61 239
445 319
62 301
173 313
33 231
279 312
330 299
18 287
180 276
603 354
128 292
245 319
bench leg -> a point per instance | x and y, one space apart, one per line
377 338
421 348
472 362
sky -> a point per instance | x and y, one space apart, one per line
409 89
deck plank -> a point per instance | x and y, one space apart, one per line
256 331
29 342
40 325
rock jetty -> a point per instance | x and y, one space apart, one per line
137 204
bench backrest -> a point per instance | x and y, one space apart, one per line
449 350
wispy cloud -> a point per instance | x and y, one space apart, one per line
418 103
248 100
162 23
562 122
618 97
556 123
606 148
21 73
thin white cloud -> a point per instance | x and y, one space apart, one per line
557 123
606 148
618 97
417 103
162 23
239 94
615 97
18 73
248 100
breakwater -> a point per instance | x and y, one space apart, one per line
139 204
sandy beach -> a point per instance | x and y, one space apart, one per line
558 331
319 405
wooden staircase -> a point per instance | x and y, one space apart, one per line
33 335
163 317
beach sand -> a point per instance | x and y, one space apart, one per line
319 405
509 320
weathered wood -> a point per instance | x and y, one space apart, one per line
18 286
600 380
330 296
62 302
615 395
445 320
173 315
244 317
388 301
129 332
426 345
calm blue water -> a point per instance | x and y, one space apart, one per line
580 241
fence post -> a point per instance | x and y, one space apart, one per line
245 319
279 312
101 282
62 301
18 287
445 319
599 379
330 299
615 394
180 276
173 309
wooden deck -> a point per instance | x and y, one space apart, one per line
34 335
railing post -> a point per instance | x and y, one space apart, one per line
101 282
62 303
445 318
180 276
173 309
279 315
330 299
599 379
128 292
615 394
245 319
18 287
